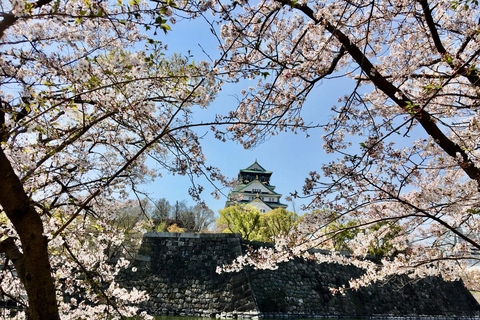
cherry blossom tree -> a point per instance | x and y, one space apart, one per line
82 108
406 136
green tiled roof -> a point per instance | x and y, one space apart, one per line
255 163
277 205
241 186
255 171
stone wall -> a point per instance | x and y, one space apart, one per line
179 272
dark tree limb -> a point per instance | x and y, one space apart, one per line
34 262
8 247
471 75
8 21
389 89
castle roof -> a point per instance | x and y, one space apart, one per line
254 188
242 186
255 168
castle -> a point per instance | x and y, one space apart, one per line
254 188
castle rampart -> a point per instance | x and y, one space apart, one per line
179 272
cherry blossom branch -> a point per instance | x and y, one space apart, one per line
66 143
9 19
418 112
165 131
466 41
34 264
92 281
17 299
332 67
471 75
426 214
429 261
13 298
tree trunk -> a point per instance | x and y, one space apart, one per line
33 265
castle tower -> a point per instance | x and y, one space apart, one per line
254 188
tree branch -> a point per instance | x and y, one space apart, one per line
74 137
9 19
471 75
418 112
92 281
35 264
8 247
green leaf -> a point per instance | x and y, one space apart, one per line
165 28
159 20
171 3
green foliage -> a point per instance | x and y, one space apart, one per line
161 227
243 219
382 246
411 108
342 231
253 225
277 222
466 3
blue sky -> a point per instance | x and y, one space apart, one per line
291 157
